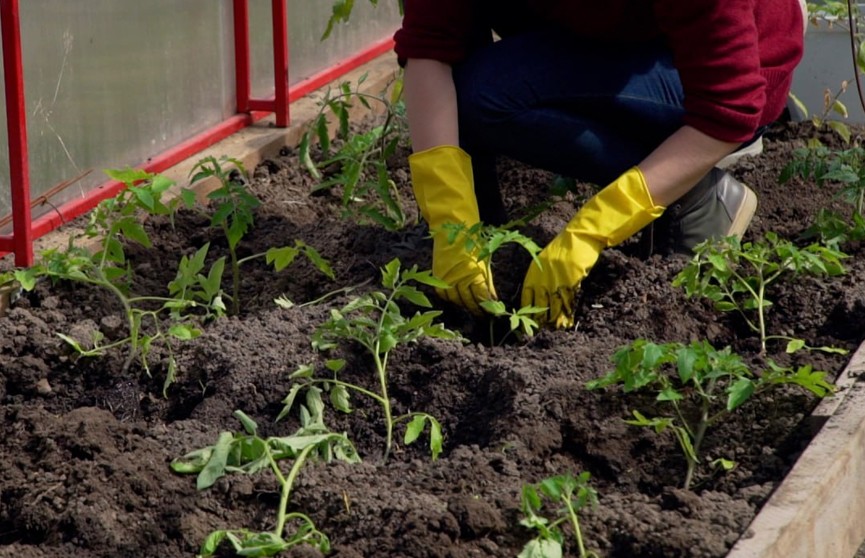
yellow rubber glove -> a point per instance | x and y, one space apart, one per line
444 188
614 214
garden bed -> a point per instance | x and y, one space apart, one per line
87 445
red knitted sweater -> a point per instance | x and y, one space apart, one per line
735 57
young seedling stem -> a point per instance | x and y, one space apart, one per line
693 380
735 276
574 493
375 322
249 453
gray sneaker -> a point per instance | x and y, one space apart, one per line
718 206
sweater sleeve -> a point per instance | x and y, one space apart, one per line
715 46
435 29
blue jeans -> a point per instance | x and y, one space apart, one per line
581 108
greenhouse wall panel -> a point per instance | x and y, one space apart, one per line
113 83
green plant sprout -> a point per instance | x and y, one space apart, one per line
520 321
735 276
846 167
360 164
700 384
234 213
483 241
248 453
375 322
114 221
574 493
833 230
831 104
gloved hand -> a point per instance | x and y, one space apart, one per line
444 188
611 216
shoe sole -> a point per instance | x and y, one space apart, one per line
744 214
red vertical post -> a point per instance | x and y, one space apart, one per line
16 125
280 61
241 54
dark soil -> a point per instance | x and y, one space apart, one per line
86 447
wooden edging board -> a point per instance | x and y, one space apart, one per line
818 511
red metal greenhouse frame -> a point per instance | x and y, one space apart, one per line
249 110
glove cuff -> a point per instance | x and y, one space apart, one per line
618 211
443 185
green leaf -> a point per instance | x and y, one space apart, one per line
302 371
794 345
390 273
170 374
724 306
541 548
739 392
387 341
843 130
288 402
144 196
135 232
684 438
319 262
188 198
305 159
75 344
323 134
799 104
27 278
414 296
335 364
687 357
833 350
652 354
215 467
494 307
860 57
281 258
249 425
436 439
670 394
211 543
725 464
127 175
184 332
340 399
718 262
192 462
414 429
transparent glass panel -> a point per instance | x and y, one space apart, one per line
308 54
110 83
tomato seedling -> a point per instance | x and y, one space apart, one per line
735 276
700 385
113 222
375 322
358 163
570 492
248 453
234 213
